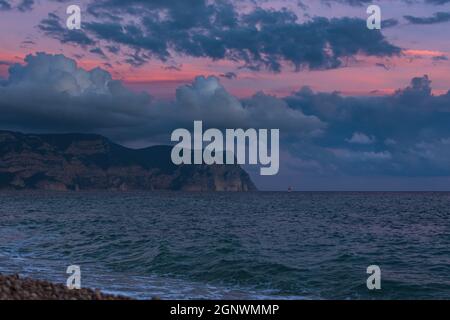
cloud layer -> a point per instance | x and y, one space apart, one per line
404 134
258 38
326 134
60 96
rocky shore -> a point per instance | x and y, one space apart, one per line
84 162
13 287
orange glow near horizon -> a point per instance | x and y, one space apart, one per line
364 76
424 53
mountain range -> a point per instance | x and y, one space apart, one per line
79 162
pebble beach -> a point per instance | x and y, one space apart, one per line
13 287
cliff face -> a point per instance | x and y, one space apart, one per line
92 162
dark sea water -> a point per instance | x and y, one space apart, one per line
232 245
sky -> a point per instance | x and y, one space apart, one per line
357 109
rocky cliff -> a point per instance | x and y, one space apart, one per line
92 162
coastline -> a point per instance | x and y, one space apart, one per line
13 287
226 246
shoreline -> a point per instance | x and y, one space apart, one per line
13 287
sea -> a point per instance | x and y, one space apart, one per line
257 245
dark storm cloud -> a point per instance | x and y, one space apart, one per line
98 52
438 17
229 75
261 38
440 58
22 5
349 2
4 5
407 133
438 2
50 93
389 23
368 2
53 27
25 5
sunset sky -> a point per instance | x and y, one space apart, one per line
421 44
357 108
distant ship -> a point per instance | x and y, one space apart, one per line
290 189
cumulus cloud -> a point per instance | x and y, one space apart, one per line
388 128
50 93
361 138
58 74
